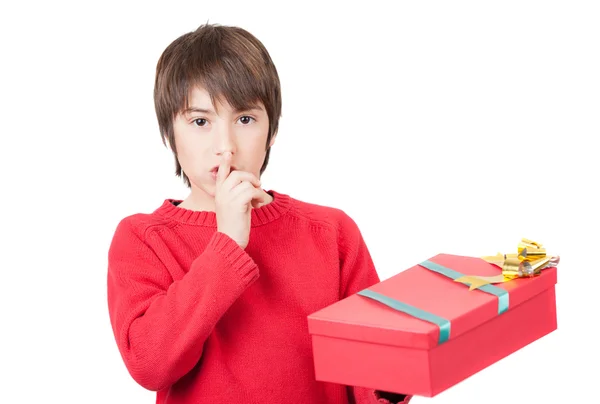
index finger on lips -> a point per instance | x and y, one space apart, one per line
224 168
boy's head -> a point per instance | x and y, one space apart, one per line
228 72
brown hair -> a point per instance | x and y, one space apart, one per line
228 62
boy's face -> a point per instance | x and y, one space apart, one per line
201 138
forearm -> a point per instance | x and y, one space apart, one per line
161 336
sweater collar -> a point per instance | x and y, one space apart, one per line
280 204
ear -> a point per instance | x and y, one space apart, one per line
272 142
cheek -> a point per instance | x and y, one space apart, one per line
251 147
194 158
258 155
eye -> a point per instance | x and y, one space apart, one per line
199 119
248 117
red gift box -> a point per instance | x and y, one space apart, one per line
360 341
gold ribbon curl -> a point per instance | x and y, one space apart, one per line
529 261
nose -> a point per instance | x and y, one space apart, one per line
224 140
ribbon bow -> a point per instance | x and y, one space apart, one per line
529 261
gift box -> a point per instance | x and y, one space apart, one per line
422 331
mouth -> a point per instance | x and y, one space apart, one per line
215 169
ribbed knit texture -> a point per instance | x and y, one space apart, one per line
200 320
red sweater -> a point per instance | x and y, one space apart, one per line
200 320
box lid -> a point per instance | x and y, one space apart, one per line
363 319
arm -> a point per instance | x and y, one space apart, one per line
160 325
357 273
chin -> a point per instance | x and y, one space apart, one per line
209 190
202 187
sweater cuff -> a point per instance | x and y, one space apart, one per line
384 397
235 256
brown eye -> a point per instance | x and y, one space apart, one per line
247 118
199 119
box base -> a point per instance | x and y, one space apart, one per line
429 372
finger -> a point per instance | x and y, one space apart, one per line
256 202
224 168
237 176
259 197
242 188
252 195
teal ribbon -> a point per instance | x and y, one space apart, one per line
503 297
442 323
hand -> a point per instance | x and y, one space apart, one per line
236 193
394 398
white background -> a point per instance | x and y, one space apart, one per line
448 126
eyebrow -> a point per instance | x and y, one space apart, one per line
210 111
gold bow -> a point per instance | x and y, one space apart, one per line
529 261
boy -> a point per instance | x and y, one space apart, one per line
208 296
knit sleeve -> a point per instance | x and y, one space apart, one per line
160 325
357 270
357 273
